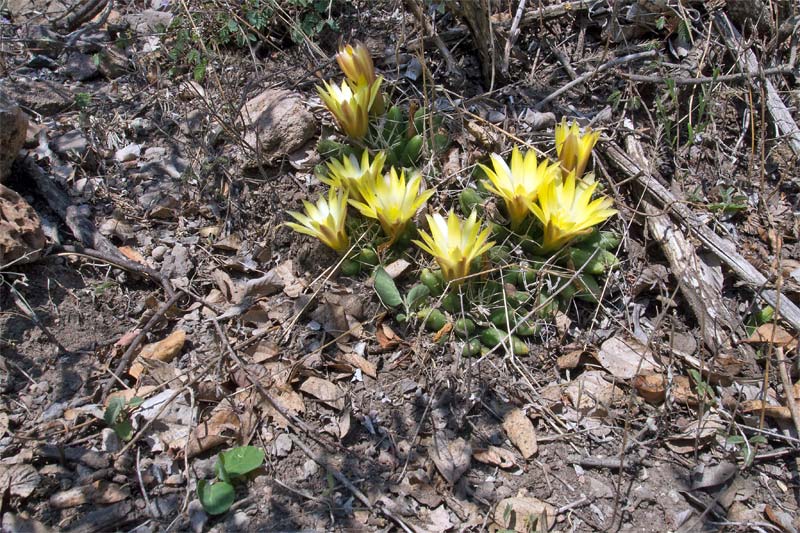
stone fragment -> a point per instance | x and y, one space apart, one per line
12 133
73 141
44 97
80 67
277 123
148 21
20 228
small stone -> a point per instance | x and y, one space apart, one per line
177 262
109 441
197 516
158 252
72 141
495 117
189 90
148 21
54 411
240 521
283 445
310 467
80 67
128 153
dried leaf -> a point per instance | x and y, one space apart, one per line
591 394
496 456
105 492
520 431
524 514
397 268
288 400
225 424
133 255
128 394
625 358
780 518
697 435
19 480
773 334
682 392
263 351
651 387
569 360
356 361
451 458
164 350
778 412
387 338
325 391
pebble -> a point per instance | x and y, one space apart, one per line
197 516
158 252
128 153
109 442
283 445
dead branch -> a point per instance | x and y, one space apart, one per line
749 63
722 248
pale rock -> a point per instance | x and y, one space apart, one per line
128 153
277 123
148 21
73 141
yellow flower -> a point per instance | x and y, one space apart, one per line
350 103
520 184
356 63
325 220
566 210
574 149
454 243
348 173
391 200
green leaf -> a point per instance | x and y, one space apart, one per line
416 295
220 471
216 498
386 289
114 410
239 461
135 402
124 430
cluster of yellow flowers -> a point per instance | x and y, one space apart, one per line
557 194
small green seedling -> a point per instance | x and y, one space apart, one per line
218 496
118 416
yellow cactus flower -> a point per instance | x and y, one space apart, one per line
391 200
325 220
566 210
350 103
519 185
348 173
356 63
573 148
454 243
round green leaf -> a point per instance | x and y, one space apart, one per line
216 498
239 461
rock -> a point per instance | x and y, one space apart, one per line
43 41
128 153
148 21
20 228
44 97
109 441
176 263
197 516
113 63
189 90
277 123
71 142
12 133
80 67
